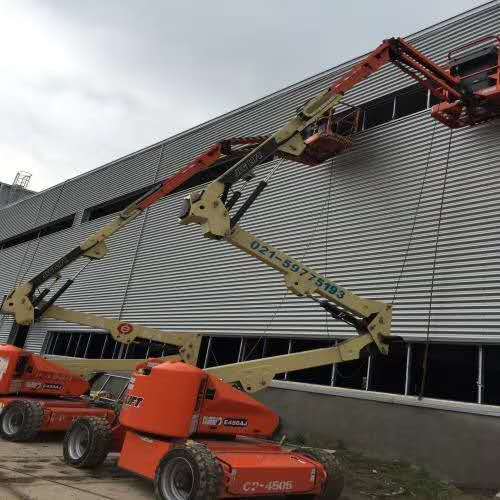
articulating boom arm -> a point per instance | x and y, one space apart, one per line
22 302
255 375
289 139
460 105
210 208
126 333
367 316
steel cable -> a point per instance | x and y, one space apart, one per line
425 361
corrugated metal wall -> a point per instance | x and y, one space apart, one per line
350 218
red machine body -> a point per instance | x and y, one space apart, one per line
468 87
170 403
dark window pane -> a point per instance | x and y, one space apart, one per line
378 113
95 345
451 371
351 374
72 343
137 349
114 205
60 344
109 347
388 372
321 375
156 349
39 232
203 352
253 348
85 338
434 100
411 101
491 377
119 203
224 351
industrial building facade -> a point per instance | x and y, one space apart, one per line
367 219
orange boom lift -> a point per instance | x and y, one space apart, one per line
39 395
195 432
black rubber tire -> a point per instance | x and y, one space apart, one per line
31 413
207 471
95 451
335 476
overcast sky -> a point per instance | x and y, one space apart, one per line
85 82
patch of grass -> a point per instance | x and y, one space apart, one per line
378 479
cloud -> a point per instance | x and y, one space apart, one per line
86 82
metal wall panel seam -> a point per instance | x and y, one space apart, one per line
138 242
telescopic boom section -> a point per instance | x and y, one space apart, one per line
366 316
370 318
127 333
21 302
255 375
210 209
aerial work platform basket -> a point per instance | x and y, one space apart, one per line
476 66
329 136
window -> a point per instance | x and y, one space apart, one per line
404 102
97 345
253 348
202 355
39 232
387 373
491 374
451 371
115 205
378 112
142 348
411 100
121 202
223 351
351 374
85 344
454 372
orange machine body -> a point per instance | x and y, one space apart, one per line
169 403
251 467
59 414
24 375
22 372
195 402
